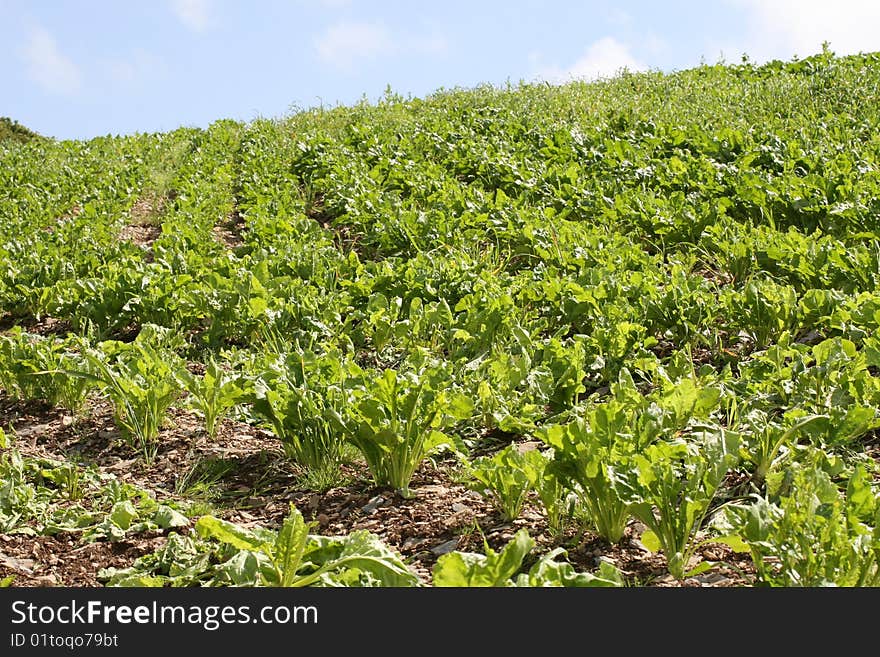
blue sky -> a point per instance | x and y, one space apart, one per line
75 69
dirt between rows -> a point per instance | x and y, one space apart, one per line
253 484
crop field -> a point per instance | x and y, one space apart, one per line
620 333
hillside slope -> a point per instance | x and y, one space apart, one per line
625 317
12 130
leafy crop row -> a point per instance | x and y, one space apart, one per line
670 291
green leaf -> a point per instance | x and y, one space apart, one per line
123 513
362 551
436 440
733 541
457 569
650 540
491 569
135 580
510 560
249 568
458 406
549 572
290 545
168 518
701 567
227 532
861 502
257 306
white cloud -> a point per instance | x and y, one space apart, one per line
785 28
139 66
603 58
194 14
345 44
48 66
342 45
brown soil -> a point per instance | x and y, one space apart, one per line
61 561
44 326
229 232
147 209
144 225
254 483
143 235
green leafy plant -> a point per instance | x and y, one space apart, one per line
506 477
559 503
303 398
502 569
118 511
41 496
212 394
567 362
589 454
69 477
500 242
36 367
765 310
672 486
548 571
765 441
510 394
19 499
398 420
812 534
141 384
292 557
